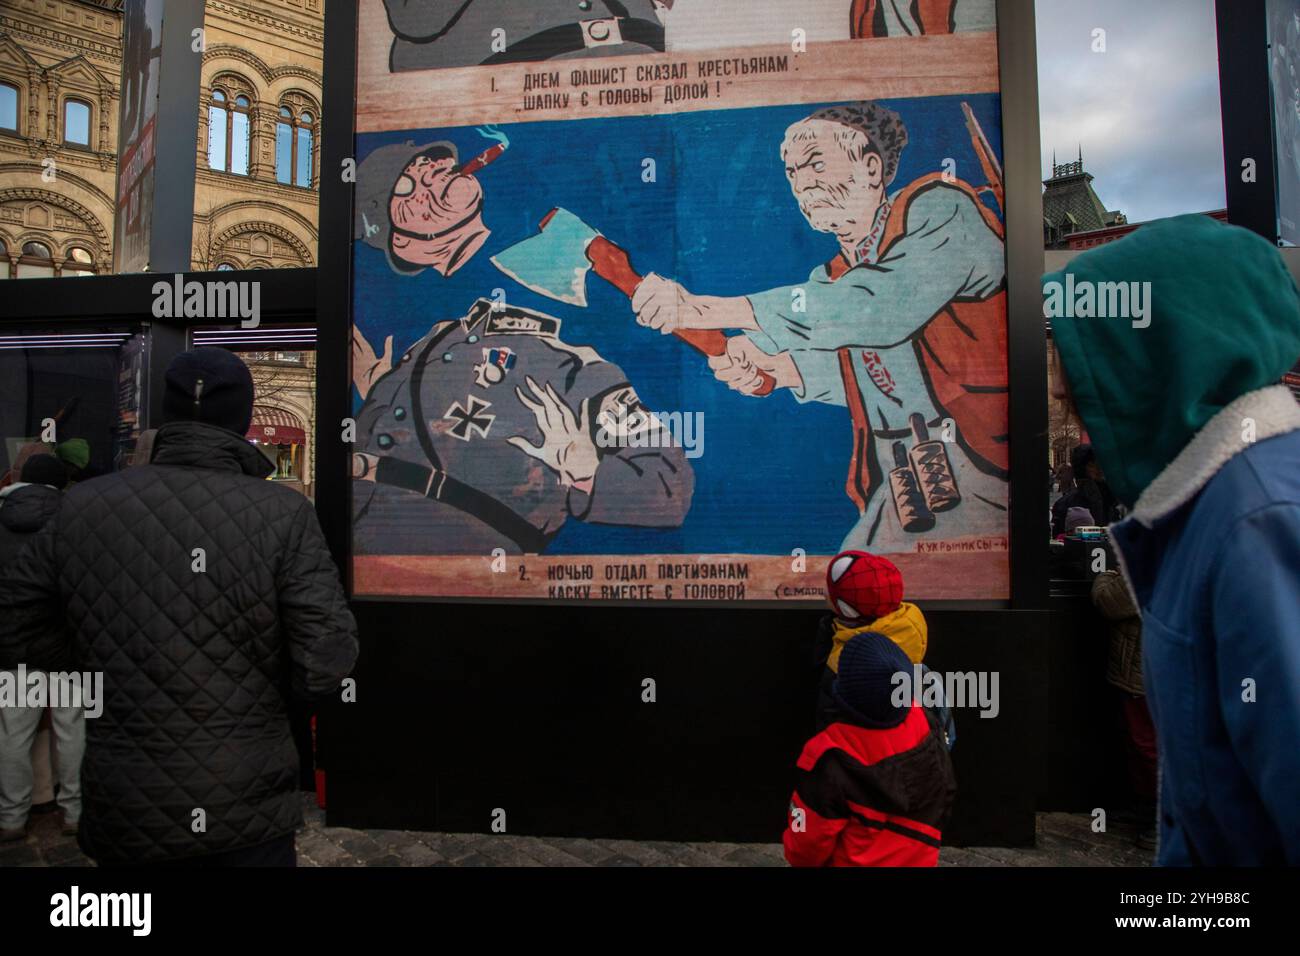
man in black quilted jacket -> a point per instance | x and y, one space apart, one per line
206 596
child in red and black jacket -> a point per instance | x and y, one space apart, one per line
875 787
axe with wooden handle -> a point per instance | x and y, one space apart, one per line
555 263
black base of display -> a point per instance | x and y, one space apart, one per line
462 711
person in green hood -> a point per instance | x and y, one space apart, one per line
1172 343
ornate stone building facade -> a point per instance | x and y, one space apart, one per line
60 64
257 154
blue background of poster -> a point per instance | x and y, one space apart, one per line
720 219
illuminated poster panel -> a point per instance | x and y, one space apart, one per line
670 301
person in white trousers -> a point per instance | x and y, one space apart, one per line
18 726
31 682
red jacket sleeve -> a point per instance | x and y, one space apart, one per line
810 837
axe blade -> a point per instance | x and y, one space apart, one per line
554 262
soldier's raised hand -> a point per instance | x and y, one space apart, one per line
368 368
567 447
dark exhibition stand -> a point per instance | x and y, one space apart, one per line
464 710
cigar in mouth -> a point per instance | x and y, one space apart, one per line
482 159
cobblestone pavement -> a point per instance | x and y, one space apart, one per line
1063 840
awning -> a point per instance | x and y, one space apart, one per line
275 426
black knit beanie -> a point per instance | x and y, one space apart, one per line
44 470
864 684
210 385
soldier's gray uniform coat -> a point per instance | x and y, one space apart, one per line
430 34
515 501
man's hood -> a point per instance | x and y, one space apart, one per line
1224 320
26 508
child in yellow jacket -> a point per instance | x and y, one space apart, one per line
866 593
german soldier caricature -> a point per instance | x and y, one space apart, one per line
433 34
491 431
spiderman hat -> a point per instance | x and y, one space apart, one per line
862 587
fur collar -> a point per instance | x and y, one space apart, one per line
1274 411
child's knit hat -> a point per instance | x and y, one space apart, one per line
862 587
864 688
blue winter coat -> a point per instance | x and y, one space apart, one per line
1218 579
1177 383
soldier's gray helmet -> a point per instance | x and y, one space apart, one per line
376 176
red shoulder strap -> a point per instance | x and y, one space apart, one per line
896 221
935 17
861 17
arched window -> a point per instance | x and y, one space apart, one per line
217 147
79 262
239 130
36 261
294 147
228 131
4 260
9 107
225 267
284 146
76 123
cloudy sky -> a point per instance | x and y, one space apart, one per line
1146 111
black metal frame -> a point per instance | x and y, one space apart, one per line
177 139
1248 125
334 277
287 295
1026 332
